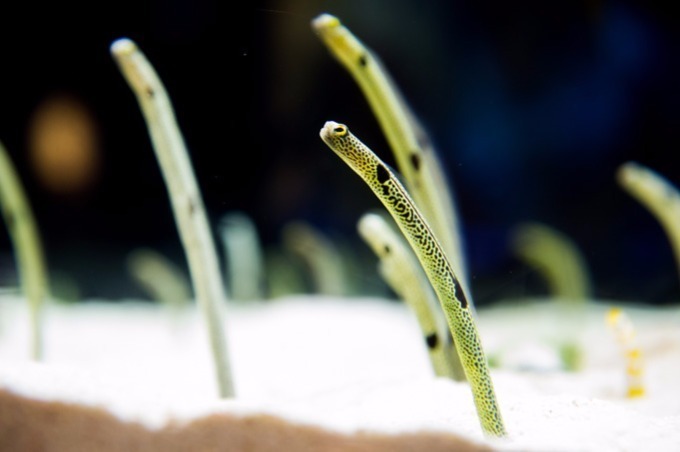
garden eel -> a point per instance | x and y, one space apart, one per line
320 256
185 198
402 208
556 257
160 278
415 156
400 269
283 274
658 195
28 248
623 329
243 254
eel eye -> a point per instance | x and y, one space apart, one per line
340 131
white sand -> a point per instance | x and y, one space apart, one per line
356 364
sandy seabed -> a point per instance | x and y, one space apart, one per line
321 373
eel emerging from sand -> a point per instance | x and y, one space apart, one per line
398 202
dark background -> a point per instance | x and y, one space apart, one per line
533 105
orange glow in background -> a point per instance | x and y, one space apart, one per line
64 145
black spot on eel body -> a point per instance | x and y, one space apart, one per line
362 60
387 250
415 161
432 340
460 295
383 175
150 92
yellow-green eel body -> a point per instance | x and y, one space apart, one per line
658 195
401 270
414 154
401 207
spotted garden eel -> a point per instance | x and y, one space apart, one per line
401 271
623 329
414 154
658 195
439 271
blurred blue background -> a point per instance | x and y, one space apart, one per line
532 106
